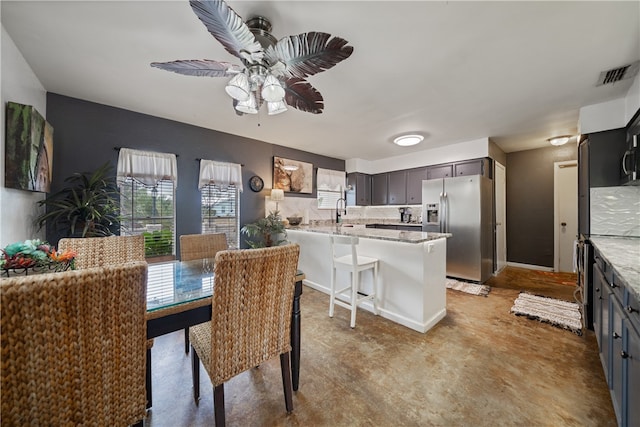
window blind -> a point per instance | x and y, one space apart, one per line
220 212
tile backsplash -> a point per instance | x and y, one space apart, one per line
615 211
307 208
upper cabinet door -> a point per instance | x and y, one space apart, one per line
360 192
398 187
441 171
379 188
414 185
473 167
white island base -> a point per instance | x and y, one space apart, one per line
411 287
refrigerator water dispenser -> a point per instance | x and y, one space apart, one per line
432 213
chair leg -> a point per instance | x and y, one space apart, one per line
332 294
355 277
286 381
186 340
148 379
218 405
195 375
139 424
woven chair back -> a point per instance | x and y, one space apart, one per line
200 246
251 313
103 251
74 347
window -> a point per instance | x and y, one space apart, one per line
331 186
150 211
220 186
220 212
147 182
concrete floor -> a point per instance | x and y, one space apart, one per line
480 366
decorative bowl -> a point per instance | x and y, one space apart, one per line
294 220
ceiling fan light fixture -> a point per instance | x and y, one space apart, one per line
272 90
277 107
408 140
248 106
238 87
559 140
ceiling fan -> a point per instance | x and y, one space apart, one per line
274 71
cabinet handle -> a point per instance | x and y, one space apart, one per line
597 289
631 309
624 354
615 335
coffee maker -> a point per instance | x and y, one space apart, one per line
405 214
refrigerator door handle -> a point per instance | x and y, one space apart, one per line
441 213
444 225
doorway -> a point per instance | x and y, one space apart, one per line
565 229
500 182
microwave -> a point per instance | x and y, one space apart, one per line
631 162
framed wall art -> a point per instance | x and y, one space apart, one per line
28 149
292 175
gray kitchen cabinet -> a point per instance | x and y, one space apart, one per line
470 167
414 185
379 189
599 165
632 416
616 324
440 171
397 188
360 192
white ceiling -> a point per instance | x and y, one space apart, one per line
516 72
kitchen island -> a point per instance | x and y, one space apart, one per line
411 287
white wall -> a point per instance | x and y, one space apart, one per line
474 149
611 114
19 84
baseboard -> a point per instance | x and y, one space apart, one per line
529 266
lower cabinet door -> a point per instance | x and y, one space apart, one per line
631 401
616 377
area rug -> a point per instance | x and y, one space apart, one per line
469 288
562 314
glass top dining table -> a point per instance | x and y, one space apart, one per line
179 295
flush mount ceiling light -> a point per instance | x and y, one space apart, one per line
408 140
274 70
559 140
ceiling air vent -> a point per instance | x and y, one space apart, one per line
617 74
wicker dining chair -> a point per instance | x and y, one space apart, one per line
250 321
200 246
101 251
73 347
105 251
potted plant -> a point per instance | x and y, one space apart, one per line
265 232
86 207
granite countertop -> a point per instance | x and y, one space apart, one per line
374 233
623 254
410 224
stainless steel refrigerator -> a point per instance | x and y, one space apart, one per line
462 206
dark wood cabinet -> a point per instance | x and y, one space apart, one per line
397 188
359 193
471 167
616 324
599 165
414 185
440 171
379 189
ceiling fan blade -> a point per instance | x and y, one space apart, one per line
299 94
309 53
199 67
228 28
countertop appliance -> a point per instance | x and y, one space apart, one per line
462 206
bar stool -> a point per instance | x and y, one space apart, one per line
355 264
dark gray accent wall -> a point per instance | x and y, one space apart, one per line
530 203
86 134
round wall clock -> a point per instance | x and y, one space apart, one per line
256 183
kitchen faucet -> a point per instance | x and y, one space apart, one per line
338 210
